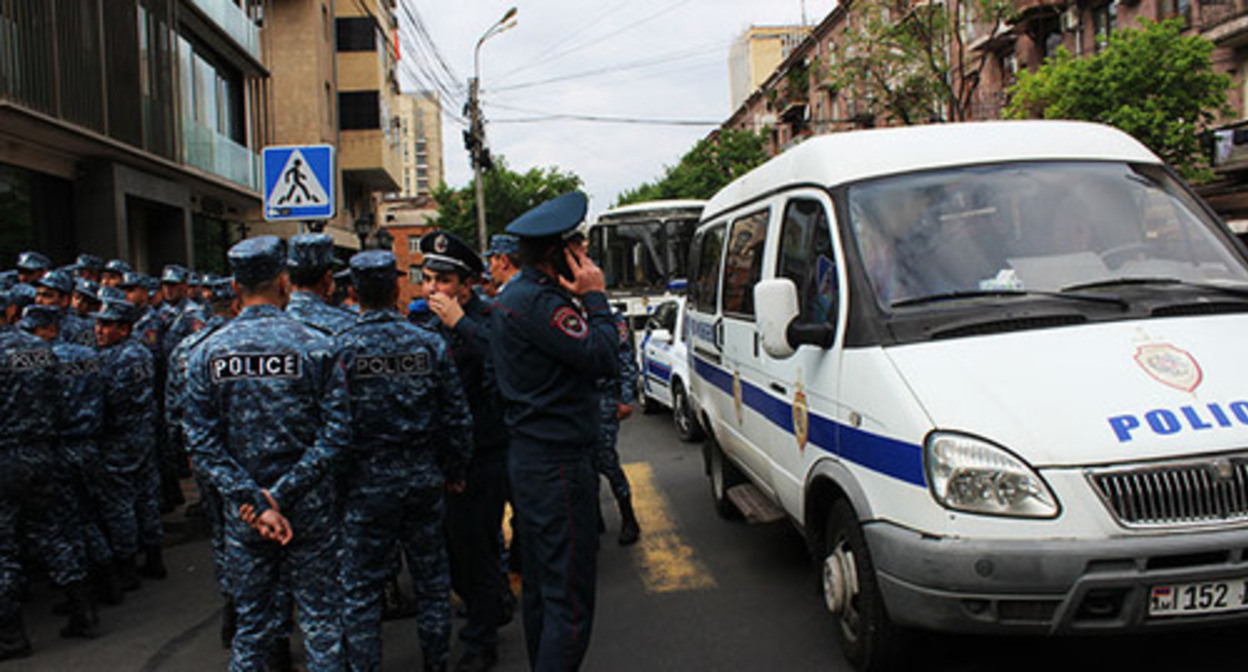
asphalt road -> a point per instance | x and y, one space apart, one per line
698 593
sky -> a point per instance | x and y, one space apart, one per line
631 59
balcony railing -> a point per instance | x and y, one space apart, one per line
206 149
235 22
1216 12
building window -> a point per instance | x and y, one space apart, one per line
1104 23
356 33
413 246
414 275
1169 9
359 110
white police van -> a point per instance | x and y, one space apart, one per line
664 378
997 373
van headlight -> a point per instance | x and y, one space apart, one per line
969 474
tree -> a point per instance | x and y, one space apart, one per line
1151 82
508 195
911 62
705 169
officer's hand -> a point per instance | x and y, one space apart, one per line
273 526
587 276
248 513
456 487
623 411
447 309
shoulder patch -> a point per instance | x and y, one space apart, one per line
570 322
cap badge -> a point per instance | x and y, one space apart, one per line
440 244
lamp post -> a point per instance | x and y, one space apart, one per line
475 136
363 225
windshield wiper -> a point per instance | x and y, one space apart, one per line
1241 292
990 293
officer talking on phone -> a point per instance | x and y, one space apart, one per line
548 355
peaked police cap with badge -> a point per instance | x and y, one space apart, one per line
131 280
89 262
33 261
116 311
445 252
36 316
89 288
58 280
173 275
555 217
117 266
258 260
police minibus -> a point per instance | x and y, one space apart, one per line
996 373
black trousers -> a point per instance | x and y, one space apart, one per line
474 520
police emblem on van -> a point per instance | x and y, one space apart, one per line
801 418
1169 365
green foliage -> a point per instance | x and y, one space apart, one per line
705 169
1151 82
508 195
910 62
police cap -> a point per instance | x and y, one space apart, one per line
502 243
89 262
21 295
110 294
33 261
87 287
221 289
258 260
35 316
8 279
311 251
58 280
173 274
117 266
445 252
116 311
373 269
131 280
552 218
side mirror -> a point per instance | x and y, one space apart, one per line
776 307
660 336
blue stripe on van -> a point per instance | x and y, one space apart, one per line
897 459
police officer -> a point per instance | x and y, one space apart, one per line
127 439
504 256
31 266
84 301
56 289
474 516
76 479
266 417
548 356
311 265
413 439
88 267
113 272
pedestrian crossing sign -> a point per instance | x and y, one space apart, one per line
298 182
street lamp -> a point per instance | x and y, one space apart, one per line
385 239
476 130
363 225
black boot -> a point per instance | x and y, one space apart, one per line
153 564
128 574
279 657
229 623
13 640
630 531
82 616
107 584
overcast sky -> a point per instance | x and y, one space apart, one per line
631 59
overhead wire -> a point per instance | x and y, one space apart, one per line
672 57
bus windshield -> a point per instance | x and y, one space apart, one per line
642 256
1019 227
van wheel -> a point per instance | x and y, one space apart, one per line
851 593
686 425
724 475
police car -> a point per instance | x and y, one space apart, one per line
994 372
665 367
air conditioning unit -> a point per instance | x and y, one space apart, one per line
1070 20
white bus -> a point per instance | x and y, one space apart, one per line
643 249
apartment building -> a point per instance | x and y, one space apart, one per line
799 99
130 128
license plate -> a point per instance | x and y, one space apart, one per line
1207 597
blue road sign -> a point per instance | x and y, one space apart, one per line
298 182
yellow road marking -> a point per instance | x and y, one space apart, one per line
668 564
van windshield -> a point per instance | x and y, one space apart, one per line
1033 227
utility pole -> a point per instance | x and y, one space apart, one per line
474 137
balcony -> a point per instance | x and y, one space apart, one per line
1225 22
206 149
234 22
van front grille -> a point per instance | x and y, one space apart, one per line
1199 492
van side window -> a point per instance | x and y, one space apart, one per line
708 248
806 258
743 265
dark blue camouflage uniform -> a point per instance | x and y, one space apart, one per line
312 310
267 408
127 444
413 435
616 390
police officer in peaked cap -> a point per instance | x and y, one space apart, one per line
267 417
451 270
311 263
112 272
549 353
89 266
56 289
31 266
